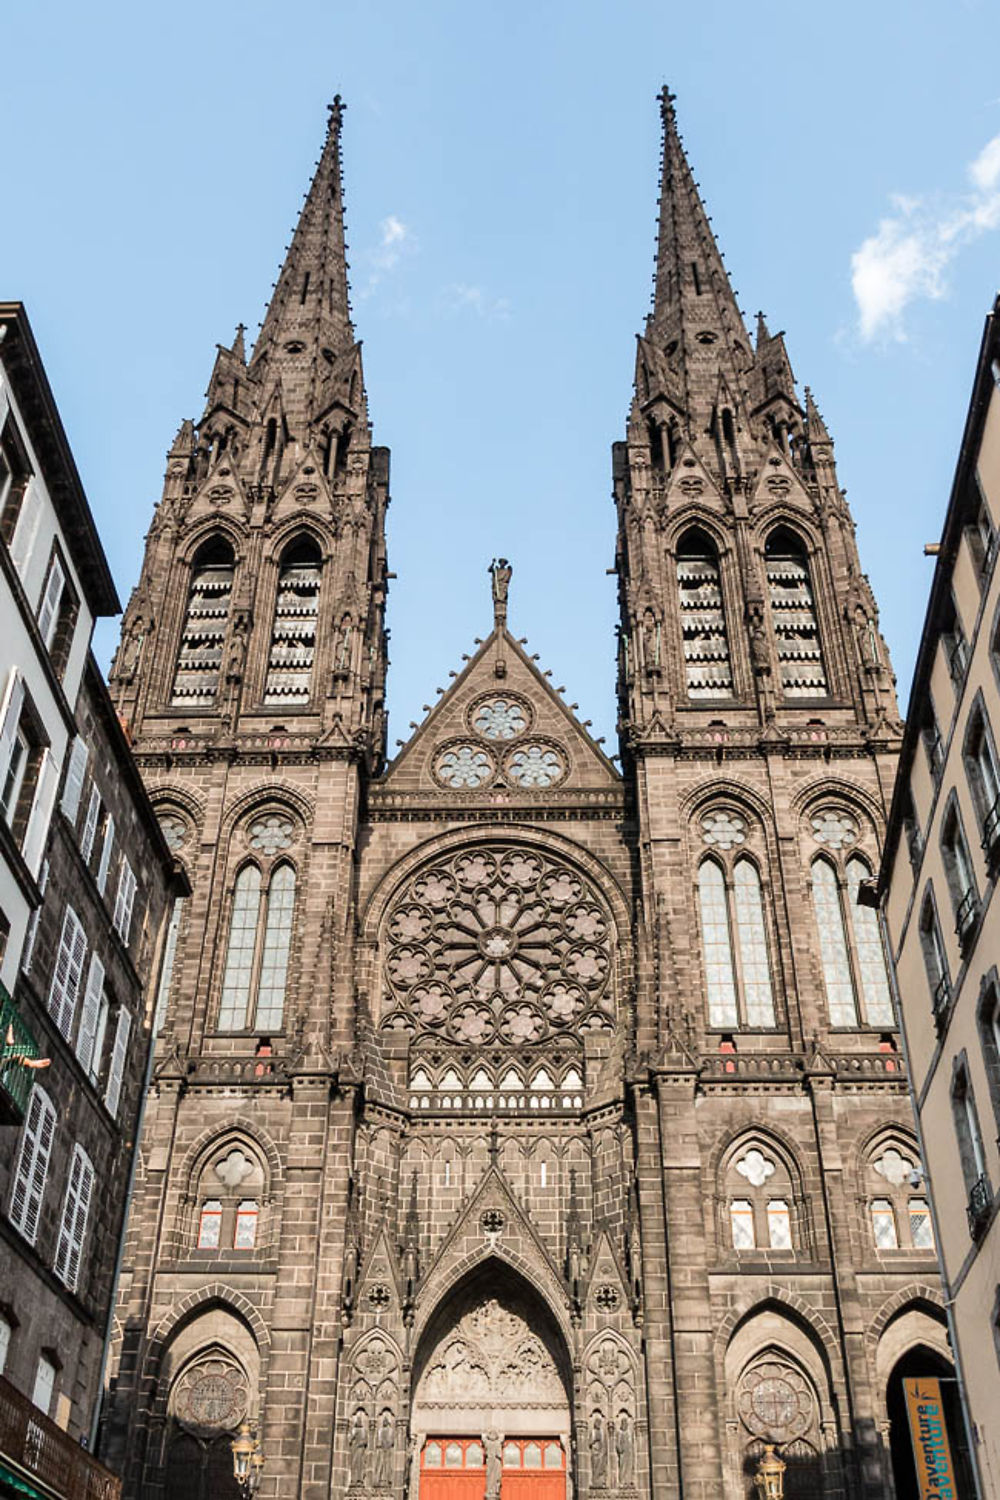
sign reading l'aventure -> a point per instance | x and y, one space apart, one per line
931 1449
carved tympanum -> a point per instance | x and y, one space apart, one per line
491 1358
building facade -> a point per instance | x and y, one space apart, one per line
938 881
84 856
517 1124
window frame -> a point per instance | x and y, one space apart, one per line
739 936
249 998
852 940
795 549
708 552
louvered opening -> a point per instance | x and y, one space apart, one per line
199 662
793 613
703 621
293 638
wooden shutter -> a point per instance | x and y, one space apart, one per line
65 984
32 1164
75 772
76 1209
41 812
105 864
117 1072
87 1035
48 609
124 900
27 526
90 825
10 717
27 952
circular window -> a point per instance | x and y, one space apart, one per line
271 834
463 766
500 718
535 766
212 1395
775 1402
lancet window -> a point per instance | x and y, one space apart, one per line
734 938
760 1206
703 621
260 932
293 637
793 615
199 662
854 974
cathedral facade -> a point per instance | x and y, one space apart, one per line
519 1126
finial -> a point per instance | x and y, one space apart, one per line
336 113
667 100
500 571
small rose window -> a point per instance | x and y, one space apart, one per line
499 718
463 766
271 833
536 766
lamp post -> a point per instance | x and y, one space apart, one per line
248 1460
770 1476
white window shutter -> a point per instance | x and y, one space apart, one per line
32 1164
125 900
105 864
90 825
10 716
28 951
76 1209
75 772
65 984
48 609
41 811
27 526
87 1035
119 1052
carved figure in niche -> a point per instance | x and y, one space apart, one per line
237 653
343 656
650 640
493 1443
757 633
385 1442
625 1449
130 654
358 1444
598 1452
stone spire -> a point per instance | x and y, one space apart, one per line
695 321
307 328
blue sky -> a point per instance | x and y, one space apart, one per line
501 176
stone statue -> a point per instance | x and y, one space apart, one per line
625 1449
132 648
500 571
358 1445
493 1443
344 645
598 1453
237 653
385 1442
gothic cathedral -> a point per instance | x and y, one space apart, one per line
518 1126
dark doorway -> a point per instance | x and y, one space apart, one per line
923 1361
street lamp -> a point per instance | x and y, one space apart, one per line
770 1476
248 1460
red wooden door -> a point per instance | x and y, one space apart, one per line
533 1469
452 1469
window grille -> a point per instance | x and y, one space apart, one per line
703 621
293 638
199 663
793 614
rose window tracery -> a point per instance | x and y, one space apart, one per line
463 766
535 766
211 1395
500 718
775 1402
498 944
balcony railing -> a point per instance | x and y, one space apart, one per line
967 919
16 1044
36 1445
991 836
942 999
980 1204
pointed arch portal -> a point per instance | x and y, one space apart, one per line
491 1394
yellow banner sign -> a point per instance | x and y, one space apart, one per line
931 1449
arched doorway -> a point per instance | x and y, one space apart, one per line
491 1405
926 1362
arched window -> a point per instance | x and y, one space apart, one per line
759 1195
227 1191
854 974
260 931
199 661
293 637
703 620
793 615
899 1219
734 939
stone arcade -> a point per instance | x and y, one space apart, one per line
518 1126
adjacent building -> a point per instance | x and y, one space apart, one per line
938 884
516 1119
85 887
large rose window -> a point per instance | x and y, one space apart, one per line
498 944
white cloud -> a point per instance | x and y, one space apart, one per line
909 255
395 240
461 297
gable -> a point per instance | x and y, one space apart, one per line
501 733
